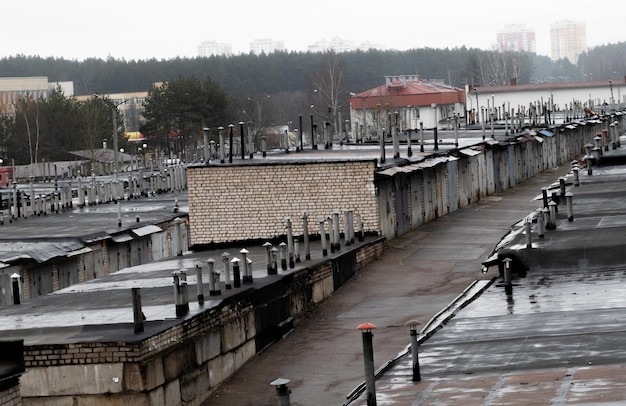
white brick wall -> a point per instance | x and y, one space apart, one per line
232 203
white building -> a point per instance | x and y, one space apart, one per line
211 48
568 39
266 46
334 44
517 38
130 105
14 88
597 96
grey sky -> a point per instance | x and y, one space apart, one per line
141 29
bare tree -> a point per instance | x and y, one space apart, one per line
28 107
96 124
329 90
498 68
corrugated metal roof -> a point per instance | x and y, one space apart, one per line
428 163
146 230
97 237
39 251
121 238
390 171
80 251
469 152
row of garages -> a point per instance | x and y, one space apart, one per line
416 193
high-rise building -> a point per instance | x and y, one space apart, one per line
335 44
266 46
210 48
568 39
516 37
338 44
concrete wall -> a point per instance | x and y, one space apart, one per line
248 202
184 364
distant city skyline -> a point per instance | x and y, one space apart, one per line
568 39
269 45
141 29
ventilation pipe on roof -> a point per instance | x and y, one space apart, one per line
236 272
283 255
323 236
305 234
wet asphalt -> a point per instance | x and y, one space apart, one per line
419 274
556 339
539 346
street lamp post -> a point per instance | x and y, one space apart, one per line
395 136
300 140
313 144
115 156
477 104
491 115
435 135
250 140
114 119
364 125
243 150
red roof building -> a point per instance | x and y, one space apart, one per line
408 100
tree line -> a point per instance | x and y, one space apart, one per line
260 90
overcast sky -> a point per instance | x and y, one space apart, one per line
142 29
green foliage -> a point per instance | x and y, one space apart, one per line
607 62
43 128
237 88
249 74
181 108
47 128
